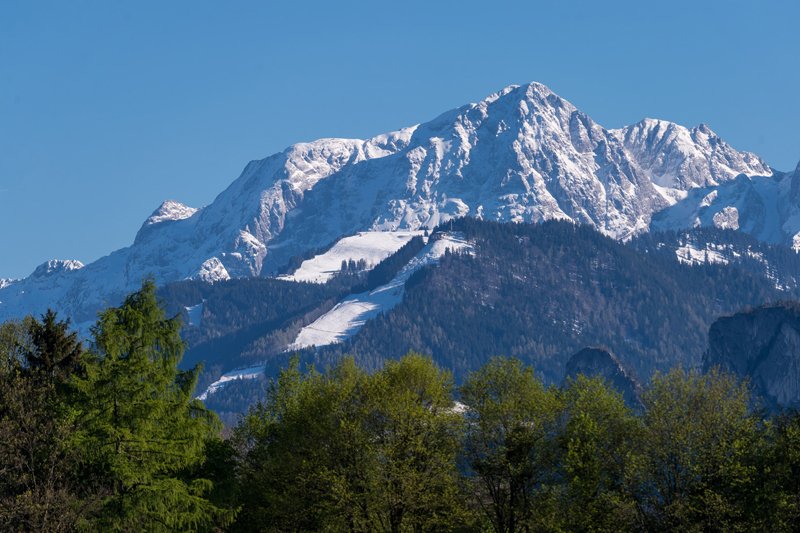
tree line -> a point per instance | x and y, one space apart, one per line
108 437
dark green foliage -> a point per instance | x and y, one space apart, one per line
240 316
542 292
38 490
55 351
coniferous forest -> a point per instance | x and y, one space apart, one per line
105 435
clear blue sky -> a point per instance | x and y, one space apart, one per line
107 108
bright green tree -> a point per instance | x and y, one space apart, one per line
417 432
345 451
305 456
598 443
509 444
141 430
698 441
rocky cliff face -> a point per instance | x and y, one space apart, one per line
766 207
521 154
598 362
762 345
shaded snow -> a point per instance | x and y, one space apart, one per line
243 373
195 313
691 255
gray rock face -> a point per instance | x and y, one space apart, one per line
763 346
523 154
598 362
766 207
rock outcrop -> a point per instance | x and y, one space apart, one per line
761 345
599 362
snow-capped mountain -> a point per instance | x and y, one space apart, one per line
522 154
766 207
679 158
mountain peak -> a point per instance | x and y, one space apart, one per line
523 154
680 158
56 266
170 210
705 129
534 91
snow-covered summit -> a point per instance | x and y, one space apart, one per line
521 154
56 266
681 158
170 210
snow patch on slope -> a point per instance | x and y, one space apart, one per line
195 314
252 372
690 255
349 315
371 246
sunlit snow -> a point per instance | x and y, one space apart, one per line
349 315
371 246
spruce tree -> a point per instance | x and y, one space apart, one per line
55 352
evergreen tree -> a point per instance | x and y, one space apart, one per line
55 351
141 430
38 489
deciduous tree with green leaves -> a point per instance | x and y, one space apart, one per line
698 442
598 441
509 444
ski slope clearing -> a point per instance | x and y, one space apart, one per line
349 315
243 373
371 246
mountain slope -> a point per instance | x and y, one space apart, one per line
543 292
767 208
522 154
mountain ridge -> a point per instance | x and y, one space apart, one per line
522 154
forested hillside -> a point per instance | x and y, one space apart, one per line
542 292
106 437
